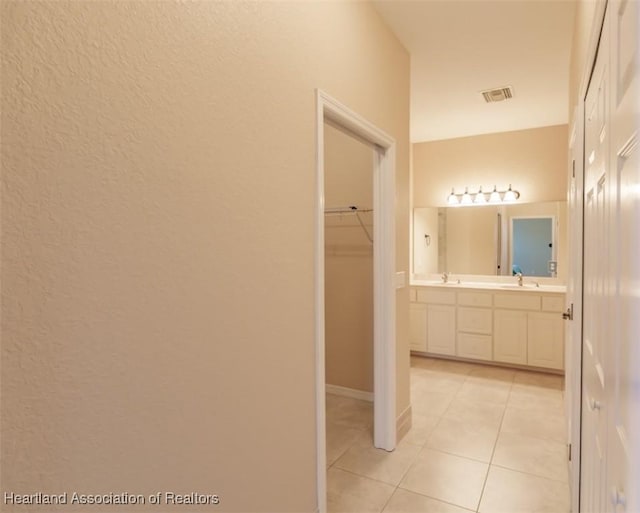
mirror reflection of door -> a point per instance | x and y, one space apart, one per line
532 245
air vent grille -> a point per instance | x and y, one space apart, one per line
497 95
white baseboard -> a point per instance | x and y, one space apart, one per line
349 392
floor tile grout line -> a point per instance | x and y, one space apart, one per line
434 498
365 477
384 506
424 446
468 377
475 460
529 474
486 477
395 487
541 438
453 373
409 467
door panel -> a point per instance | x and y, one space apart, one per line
610 459
623 308
594 436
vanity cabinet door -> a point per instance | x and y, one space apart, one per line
510 336
546 340
418 327
441 329
476 347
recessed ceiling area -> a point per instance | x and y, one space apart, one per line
461 48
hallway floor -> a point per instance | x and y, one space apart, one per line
484 439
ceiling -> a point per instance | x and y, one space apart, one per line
459 48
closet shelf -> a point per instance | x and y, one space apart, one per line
351 210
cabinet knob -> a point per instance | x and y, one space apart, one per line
596 405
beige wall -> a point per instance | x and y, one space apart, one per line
471 240
426 240
348 171
158 164
534 161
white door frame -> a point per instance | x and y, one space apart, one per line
573 329
384 290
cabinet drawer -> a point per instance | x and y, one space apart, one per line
517 301
442 297
553 303
474 299
474 346
474 320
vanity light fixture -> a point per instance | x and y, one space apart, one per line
480 198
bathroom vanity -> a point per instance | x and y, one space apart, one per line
501 323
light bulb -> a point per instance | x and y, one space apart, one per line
495 196
509 196
480 199
452 199
466 198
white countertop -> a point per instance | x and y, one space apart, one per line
529 285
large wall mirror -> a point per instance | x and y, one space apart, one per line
491 240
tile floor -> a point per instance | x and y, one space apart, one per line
484 439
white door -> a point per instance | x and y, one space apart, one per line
624 258
611 275
596 262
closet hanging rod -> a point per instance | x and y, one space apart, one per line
352 209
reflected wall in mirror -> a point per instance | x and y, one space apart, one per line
482 240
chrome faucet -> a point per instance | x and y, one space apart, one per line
445 277
519 276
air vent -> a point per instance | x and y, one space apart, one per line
497 95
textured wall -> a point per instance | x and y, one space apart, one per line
534 161
157 240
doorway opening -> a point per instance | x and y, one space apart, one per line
338 115
533 247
